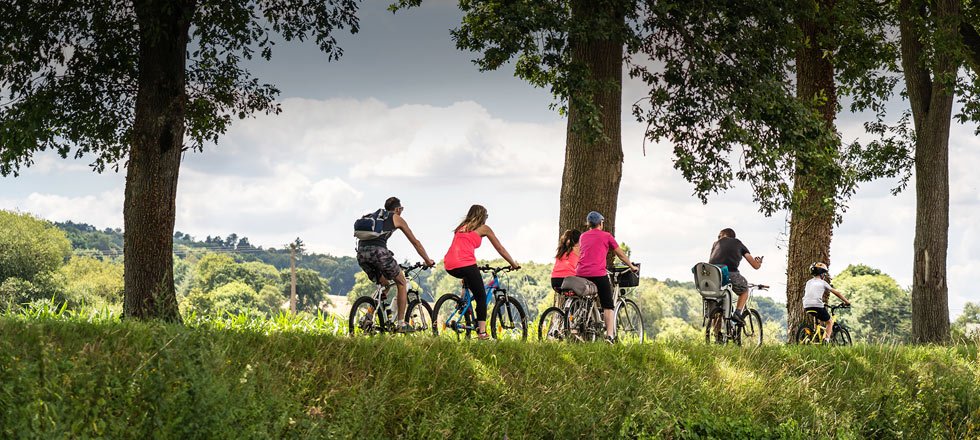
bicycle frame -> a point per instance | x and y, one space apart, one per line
494 289
731 331
819 329
384 302
727 303
585 315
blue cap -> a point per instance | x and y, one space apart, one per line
594 218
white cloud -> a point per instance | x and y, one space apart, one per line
371 140
102 209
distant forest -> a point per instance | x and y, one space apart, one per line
338 271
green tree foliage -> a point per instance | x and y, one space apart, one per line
85 236
93 282
213 273
311 289
338 271
215 270
882 311
46 287
968 323
271 299
234 297
30 246
362 287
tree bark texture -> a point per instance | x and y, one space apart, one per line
154 160
594 164
813 213
931 101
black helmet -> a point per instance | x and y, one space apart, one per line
818 269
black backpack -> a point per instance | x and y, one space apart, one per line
371 225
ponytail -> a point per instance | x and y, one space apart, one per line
567 242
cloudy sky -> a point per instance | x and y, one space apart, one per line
404 113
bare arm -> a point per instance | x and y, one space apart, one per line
622 256
485 231
755 262
400 223
839 295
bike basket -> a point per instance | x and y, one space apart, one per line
709 280
629 279
581 286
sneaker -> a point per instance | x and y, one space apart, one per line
610 340
738 317
483 336
404 328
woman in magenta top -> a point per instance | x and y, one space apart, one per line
460 260
566 258
594 246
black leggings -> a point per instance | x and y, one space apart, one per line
605 291
556 284
474 281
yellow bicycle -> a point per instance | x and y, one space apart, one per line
812 331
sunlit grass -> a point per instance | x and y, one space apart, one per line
88 373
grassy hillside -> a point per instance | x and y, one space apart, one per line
66 377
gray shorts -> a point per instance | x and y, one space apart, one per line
377 261
739 284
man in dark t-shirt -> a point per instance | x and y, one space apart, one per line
730 251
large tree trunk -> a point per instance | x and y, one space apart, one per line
593 163
932 103
812 219
154 160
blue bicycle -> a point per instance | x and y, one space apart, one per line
454 314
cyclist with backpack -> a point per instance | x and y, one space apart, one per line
729 251
813 297
594 246
566 258
460 260
379 263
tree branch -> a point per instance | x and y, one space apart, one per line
971 39
917 79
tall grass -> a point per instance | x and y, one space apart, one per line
298 377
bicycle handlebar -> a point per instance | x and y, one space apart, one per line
495 270
413 267
840 306
620 269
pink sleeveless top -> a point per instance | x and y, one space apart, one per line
462 252
565 266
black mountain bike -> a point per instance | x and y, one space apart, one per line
720 328
368 318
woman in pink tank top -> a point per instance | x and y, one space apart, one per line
460 260
566 260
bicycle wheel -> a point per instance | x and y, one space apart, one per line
419 316
629 322
448 319
508 320
841 335
805 335
362 320
553 325
752 330
716 329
